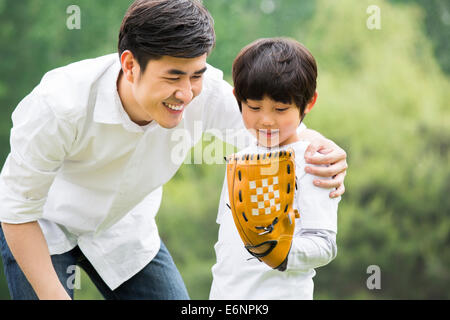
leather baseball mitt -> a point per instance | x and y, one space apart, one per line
261 190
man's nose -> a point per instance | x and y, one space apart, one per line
185 93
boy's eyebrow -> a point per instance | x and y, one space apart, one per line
179 72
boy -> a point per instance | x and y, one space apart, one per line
275 86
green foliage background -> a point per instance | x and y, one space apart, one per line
383 97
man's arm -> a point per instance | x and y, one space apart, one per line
28 246
332 155
39 143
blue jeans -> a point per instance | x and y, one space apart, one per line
159 280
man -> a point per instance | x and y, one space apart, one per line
91 147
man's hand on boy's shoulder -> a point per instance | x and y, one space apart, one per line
331 155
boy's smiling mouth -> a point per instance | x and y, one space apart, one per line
268 132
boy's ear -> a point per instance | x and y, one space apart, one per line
234 93
311 104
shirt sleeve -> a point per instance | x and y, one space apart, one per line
317 210
312 249
314 242
222 117
39 143
224 200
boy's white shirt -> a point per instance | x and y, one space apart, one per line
236 275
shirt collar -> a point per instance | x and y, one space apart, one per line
108 108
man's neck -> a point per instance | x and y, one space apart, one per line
128 102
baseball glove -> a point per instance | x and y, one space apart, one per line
261 193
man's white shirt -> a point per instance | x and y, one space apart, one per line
90 175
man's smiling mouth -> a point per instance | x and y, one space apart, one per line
175 107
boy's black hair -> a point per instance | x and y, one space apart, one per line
154 28
281 68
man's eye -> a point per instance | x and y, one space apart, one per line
172 79
197 77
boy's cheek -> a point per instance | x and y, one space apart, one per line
251 129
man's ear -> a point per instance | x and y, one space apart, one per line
130 66
311 103
234 93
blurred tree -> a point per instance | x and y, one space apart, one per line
383 97
437 27
35 39
238 23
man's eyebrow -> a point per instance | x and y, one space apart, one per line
201 71
179 72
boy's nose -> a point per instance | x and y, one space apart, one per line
267 122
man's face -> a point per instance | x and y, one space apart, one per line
166 88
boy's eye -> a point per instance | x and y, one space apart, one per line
281 109
253 108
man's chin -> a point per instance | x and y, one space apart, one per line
170 119
169 124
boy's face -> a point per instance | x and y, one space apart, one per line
166 87
271 122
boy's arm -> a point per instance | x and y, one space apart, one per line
312 249
28 246
314 244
